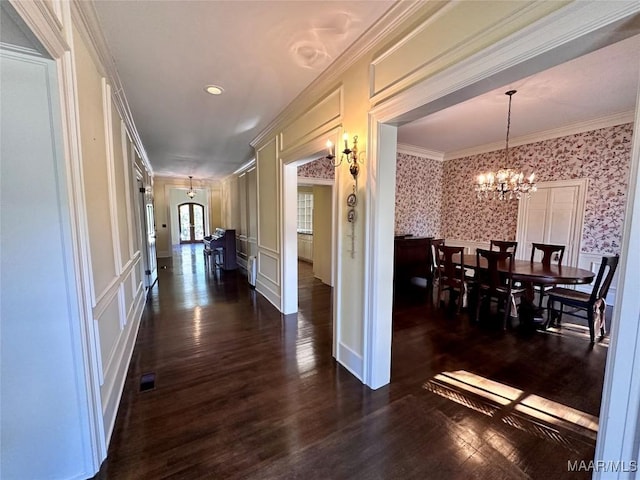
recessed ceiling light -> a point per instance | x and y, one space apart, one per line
214 89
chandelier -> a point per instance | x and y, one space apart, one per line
191 193
506 183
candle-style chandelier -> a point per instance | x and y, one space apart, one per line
506 183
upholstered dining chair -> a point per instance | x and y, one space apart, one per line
451 272
547 254
496 283
593 304
503 246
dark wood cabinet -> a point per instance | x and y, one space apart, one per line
412 258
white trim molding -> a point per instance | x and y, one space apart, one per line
565 131
420 152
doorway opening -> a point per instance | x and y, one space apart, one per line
309 233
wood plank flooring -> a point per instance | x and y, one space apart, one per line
244 392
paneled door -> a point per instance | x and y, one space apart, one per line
554 214
191 218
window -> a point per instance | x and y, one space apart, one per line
305 212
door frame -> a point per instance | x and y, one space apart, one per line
578 223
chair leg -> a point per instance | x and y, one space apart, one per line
591 326
559 319
460 299
507 312
602 315
550 312
541 292
478 302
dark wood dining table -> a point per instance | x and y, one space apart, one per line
535 273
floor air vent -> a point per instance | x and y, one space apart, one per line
147 382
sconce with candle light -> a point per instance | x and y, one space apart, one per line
353 158
348 154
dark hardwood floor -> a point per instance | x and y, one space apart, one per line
244 392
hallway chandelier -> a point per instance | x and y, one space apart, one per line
506 183
191 193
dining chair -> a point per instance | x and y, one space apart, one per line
450 270
434 243
492 282
504 246
592 303
547 253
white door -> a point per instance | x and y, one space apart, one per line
554 214
148 234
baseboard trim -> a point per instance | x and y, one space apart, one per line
351 361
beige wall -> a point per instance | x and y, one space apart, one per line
322 232
239 194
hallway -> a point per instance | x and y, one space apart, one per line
243 392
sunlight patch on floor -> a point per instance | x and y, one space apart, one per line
525 411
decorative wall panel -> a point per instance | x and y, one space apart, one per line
324 113
268 189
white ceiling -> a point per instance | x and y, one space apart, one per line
596 85
263 53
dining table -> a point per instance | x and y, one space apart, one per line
529 274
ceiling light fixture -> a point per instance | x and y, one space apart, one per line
214 89
506 183
191 193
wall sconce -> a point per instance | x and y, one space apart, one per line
191 193
350 154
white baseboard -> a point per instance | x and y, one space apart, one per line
351 361
264 290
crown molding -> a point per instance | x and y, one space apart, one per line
86 19
246 166
571 129
420 152
398 13
44 24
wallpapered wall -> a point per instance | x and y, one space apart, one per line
321 168
418 196
602 156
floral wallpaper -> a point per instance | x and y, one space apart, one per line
321 168
602 156
418 196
